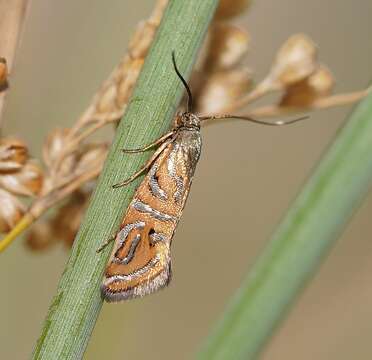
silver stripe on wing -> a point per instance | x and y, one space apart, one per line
147 209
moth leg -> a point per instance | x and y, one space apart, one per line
107 242
147 147
147 165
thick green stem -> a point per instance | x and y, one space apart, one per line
313 223
76 305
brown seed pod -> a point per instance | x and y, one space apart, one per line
305 92
13 154
228 44
295 61
41 236
221 89
26 182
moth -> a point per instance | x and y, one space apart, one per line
140 262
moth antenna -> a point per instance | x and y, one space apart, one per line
185 84
260 122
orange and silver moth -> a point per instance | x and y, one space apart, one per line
140 263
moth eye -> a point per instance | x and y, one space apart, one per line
151 231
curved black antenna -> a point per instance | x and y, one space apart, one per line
261 122
189 99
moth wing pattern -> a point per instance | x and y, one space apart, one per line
140 262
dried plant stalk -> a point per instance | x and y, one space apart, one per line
12 15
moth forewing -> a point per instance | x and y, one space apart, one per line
140 263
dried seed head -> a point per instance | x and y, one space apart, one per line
13 154
41 236
230 8
228 44
305 92
221 90
3 73
27 181
11 211
295 61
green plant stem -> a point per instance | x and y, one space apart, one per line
76 305
313 223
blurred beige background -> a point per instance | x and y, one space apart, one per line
247 175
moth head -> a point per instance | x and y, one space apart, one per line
188 120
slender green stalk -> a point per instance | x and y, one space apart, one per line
76 306
313 223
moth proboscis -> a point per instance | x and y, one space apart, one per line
140 262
